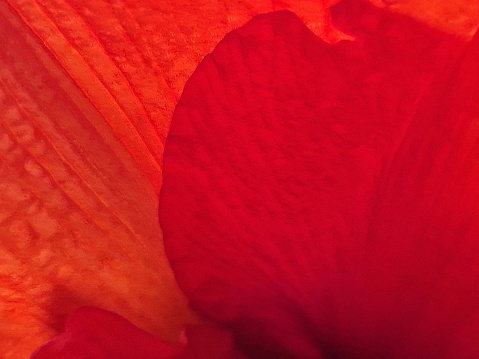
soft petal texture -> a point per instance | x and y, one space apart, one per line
87 89
427 271
210 342
93 333
315 196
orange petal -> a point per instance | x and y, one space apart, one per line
78 220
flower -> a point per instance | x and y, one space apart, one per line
363 291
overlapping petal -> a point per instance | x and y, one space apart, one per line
93 333
86 102
314 194
87 89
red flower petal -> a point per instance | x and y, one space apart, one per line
422 255
93 333
272 170
209 342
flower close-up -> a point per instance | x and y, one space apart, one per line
239 180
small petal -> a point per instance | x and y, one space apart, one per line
93 333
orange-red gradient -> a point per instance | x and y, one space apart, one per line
87 90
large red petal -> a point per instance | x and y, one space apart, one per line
277 150
421 260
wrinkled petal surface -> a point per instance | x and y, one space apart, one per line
322 200
87 90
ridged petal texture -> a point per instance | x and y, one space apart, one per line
78 215
87 90
323 200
